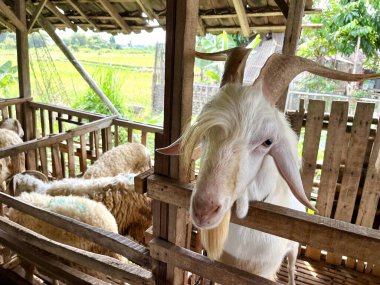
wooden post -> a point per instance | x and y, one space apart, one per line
292 34
50 30
24 77
169 222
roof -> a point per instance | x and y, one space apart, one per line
125 16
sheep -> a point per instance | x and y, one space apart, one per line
79 208
125 158
12 125
131 210
10 134
249 153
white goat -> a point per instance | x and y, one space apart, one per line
249 154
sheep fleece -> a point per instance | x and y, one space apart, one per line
125 158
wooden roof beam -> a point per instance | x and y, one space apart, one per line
36 14
242 16
61 16
7 12
7 25
76 6
265 28
116 16
146 8
255 14
283 7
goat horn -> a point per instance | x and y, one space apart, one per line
236 59
280 70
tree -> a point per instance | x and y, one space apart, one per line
347 25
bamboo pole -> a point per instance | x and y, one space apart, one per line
48 27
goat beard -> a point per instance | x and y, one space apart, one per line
213 240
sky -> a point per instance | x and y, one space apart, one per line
143 38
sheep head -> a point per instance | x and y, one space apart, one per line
239 130
12 125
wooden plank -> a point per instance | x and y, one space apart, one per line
141 181
44 142
116 135
48 262
56 161
296 119
92 116
44 161
108 137
115 15
4 113
370 194
201 265
104 264
309 229
292 34
331 164
51 122
77 6
143 138
104 141
97 144
312 137
114 242
71 157
242 17
61 16
283 7
20 25
130 135
43 123
83 154
36 14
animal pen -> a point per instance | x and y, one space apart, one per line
339 246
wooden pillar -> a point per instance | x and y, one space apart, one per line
292 34
169 222
24 78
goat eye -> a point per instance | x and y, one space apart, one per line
267 143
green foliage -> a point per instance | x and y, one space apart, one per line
109 82
8 77
344 22
313 83
361 93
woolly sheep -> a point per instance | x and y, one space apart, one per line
79 208
10 132
131 210
125 158
249 154
12 125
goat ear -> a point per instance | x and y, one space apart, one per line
288 168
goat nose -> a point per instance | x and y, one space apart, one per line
204 212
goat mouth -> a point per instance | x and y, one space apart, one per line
210 222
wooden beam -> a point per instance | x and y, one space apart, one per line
104 264
254 14
7 25
48 262
51 140
307 229
70 56
196 263
36 14
292 34
61 16
257 29
283 7
114 242
201 27
240 11
78 8
7 12
146 8
116 16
